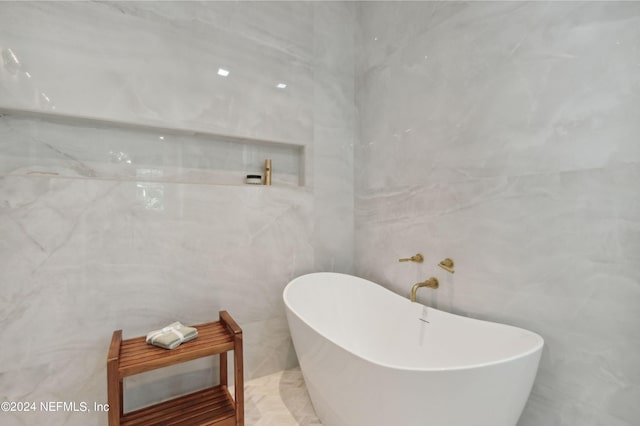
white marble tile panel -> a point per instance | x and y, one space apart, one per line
334 135
507 142
83 258
163 71
557 254
481 90
163 250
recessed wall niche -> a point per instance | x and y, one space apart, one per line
52 145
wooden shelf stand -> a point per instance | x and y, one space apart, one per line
212 406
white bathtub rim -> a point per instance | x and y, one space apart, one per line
536 348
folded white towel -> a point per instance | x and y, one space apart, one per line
171 336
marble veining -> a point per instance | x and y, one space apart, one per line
501 134
508 141
103 228
171 64
280 399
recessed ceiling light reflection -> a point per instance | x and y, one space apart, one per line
10 60
161 138
223 72
27 74
281 86
15 58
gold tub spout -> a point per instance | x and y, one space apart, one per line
431 283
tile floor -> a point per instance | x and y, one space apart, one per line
279 399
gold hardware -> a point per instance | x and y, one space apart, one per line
267 172
431 283
447 265
417 258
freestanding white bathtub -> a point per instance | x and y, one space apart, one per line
370 357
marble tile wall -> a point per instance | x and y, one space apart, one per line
505 135
499 134
85 253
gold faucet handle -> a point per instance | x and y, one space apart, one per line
447 265
417 258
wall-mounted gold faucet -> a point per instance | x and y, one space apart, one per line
431 283
447 265
417 258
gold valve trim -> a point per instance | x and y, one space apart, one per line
447 265
417 258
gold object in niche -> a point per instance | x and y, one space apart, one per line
267 172
431 283
447 265
417 258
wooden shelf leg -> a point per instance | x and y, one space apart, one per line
224 381
239 379
114 383
234 328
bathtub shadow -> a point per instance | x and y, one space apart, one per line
295 397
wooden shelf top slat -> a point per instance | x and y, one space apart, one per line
137 356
